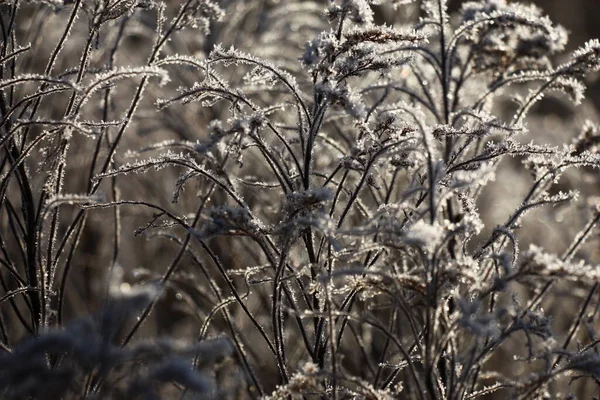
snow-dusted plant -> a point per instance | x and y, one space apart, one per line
316 182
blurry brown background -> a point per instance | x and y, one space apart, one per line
580 17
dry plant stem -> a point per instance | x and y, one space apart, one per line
79 219
41 298
28 210
577 242
50 268
79 222
277 314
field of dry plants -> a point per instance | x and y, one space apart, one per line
290 199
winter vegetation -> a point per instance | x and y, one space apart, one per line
336 199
